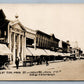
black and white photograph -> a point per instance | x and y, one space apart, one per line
42 42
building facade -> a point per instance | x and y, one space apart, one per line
19 38
15 36
64 47
46 41
3 27
16 40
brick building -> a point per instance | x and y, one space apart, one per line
46 41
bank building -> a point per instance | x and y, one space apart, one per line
13 37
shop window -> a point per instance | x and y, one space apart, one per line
29 41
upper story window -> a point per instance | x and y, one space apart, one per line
74 51
4 33
0 32
29 41
36 39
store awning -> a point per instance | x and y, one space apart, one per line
51 52
41 52
67 54
37 52
64 54
61 54
56 53
4 50
28 52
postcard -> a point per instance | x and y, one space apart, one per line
41 42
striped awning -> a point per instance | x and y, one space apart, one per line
36 52
51 52
4 50
61 54
28 52
64 54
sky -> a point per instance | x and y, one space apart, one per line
66 21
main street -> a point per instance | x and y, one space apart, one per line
69 70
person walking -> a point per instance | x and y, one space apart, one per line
17 62
46 59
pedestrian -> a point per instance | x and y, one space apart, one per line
17 62
46 59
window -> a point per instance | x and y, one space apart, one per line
4 33
29 41
0 32
74 51
36 39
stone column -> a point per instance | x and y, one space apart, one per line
14 48
35 43
8 33
9 46
38 41
22 48
10 41
18 44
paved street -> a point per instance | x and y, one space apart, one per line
69 70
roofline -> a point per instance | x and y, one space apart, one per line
47 34
65 42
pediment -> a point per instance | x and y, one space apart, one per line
17 25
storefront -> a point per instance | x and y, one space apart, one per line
5 54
